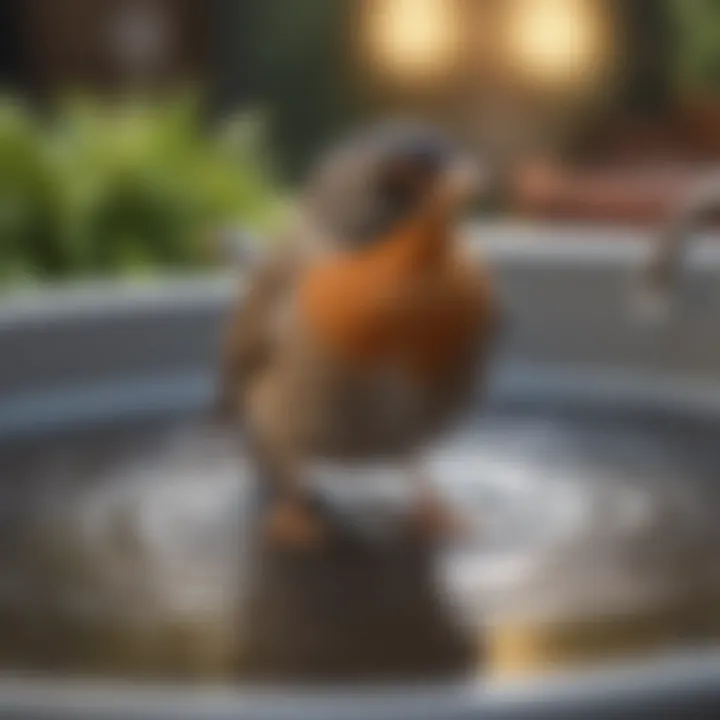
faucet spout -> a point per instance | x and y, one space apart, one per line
662 270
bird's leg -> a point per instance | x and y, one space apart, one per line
298 516
291 521
431 515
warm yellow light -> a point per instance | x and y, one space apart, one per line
412 39
556 41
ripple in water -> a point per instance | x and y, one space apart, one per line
570 518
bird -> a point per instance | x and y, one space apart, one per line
365 335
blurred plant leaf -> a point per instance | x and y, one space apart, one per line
126 188
698 28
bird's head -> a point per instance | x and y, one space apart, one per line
384 178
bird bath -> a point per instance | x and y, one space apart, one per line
590 475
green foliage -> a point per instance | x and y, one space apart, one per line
115 189
297 57
698 56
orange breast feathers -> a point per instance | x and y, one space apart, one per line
407 298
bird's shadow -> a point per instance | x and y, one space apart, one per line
358 609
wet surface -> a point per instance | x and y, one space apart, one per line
121 552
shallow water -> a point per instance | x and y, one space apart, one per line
120 548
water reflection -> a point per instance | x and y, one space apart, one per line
122 550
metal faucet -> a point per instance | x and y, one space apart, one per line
661 272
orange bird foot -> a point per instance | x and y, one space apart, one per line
293 526
434 518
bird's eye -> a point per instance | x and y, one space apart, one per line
403 179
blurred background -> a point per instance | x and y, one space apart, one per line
130 130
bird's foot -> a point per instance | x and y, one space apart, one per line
435 519
293 525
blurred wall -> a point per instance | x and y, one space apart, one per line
14 56
298 59
108 45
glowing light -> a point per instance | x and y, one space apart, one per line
556 41
412 39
